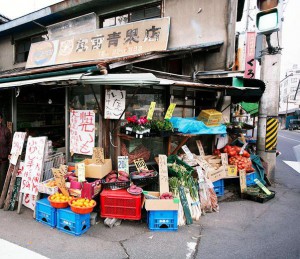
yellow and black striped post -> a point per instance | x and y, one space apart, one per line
271 134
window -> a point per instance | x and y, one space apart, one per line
133 15
22 47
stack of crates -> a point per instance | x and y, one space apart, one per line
45 213
120 204
219 187
64 220
162 220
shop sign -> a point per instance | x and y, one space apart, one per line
250 64
114 104
33 165
106 43
82 132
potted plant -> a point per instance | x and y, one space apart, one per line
163 128
139 127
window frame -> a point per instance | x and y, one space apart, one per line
128 13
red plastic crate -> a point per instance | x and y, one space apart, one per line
120 204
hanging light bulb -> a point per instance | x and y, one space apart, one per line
50 101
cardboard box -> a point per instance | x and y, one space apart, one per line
157 204
210 117
95 171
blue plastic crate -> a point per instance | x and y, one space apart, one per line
219 187
250 179
162 220
45 213
72 223
219 190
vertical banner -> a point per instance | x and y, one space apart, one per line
250 63
82 132
271 134
114 104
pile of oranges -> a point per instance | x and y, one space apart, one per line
83 203
59 197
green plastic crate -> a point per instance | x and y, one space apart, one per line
174 158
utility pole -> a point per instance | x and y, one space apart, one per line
269 105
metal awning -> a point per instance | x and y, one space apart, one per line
110 79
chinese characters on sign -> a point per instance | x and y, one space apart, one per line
82 132
118 41
250 56
114 104
17 146
33 165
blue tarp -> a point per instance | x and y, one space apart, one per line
193 126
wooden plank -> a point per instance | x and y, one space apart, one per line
6 184
12 184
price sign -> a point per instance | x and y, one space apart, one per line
200 148
187 151
123 164
60 180
151 110
170 111
163 174
231 170
224 159
140 164
243 184
98 155
81 172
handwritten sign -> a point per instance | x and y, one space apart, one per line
59 176
187 151
17 146
200 148
114 104
151 110
123 164
224 159
29 201
163 174
82 132
140 164
81 172
33 165
98 156
243 183
170 111
105 43
21 169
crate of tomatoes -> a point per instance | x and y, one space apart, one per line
239 157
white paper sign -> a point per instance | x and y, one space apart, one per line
82 132
33 165
81 172
114 104
17 146
123 164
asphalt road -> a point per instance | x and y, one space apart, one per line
242 229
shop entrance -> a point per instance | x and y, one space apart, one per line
41 112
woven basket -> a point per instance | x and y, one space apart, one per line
139 152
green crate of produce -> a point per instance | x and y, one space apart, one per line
176 167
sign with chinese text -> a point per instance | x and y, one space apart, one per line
243 183
123 164
33 165
106 43
151 110
163 174
114 104
250 64
59 175
98 155
17 146
140 164
82 132
81 172
170 111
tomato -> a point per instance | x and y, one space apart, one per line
237 149
232 153
246 154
